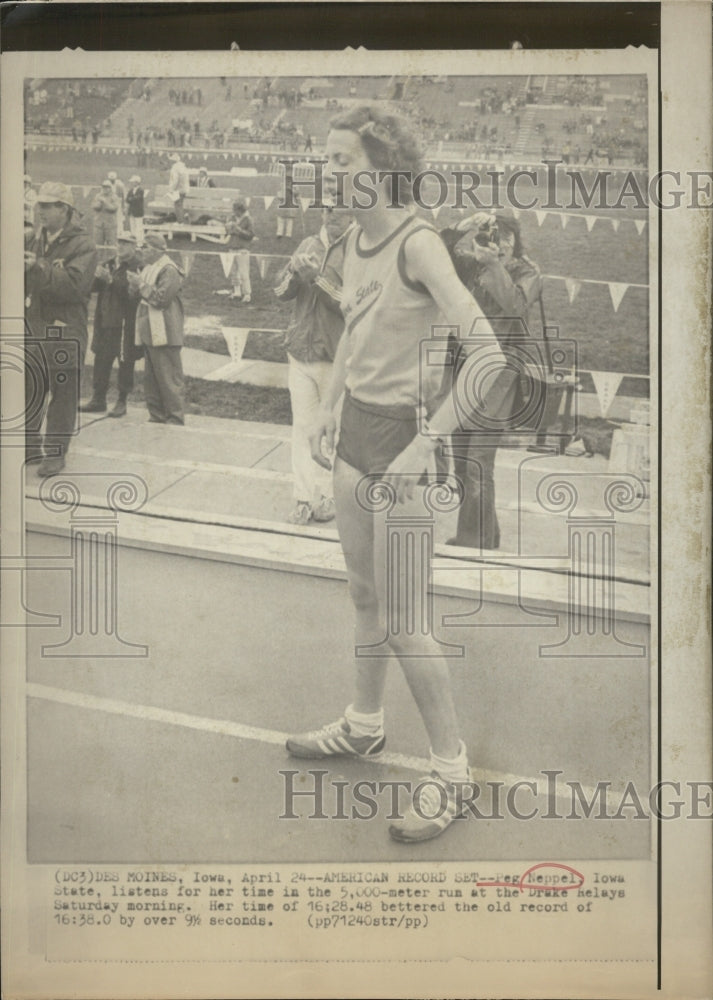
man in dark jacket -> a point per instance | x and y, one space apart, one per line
114 327
490 260
60 260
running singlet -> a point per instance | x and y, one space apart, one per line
386 318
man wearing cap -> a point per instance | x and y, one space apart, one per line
178 185
159 329
204 181
60 261
135 208
106 209
114 327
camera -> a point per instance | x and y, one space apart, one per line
34 365
487 234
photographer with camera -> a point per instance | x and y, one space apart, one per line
489 258
114 327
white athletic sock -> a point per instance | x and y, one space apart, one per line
452 770
365 723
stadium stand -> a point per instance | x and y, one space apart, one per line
72 107
517 118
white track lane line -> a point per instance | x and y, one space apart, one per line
224 727
221 727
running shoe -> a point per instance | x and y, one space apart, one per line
335 740
324 510
301 514
436 804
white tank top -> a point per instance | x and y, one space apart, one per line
387 317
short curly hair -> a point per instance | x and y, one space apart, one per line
388 140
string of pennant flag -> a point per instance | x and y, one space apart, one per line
263 262
480 163
540 214
590 220
617 289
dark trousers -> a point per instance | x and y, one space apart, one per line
163 384
474 467
179 210
53 371
107 348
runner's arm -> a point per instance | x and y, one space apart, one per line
326 425
428 262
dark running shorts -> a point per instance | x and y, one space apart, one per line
370 436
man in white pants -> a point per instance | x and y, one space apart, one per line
178 185
120 192
313 279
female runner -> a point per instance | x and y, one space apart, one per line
398 283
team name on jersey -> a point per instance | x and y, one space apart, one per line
364 291
371 290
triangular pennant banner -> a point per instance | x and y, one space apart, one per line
564 219
247 202
606 385
617 290
87 190
540 217
235 338
615 224
304 204
516 212
572 286
436 209
205 156
187 262
590 220
262 263
226 259
268 200
639 223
